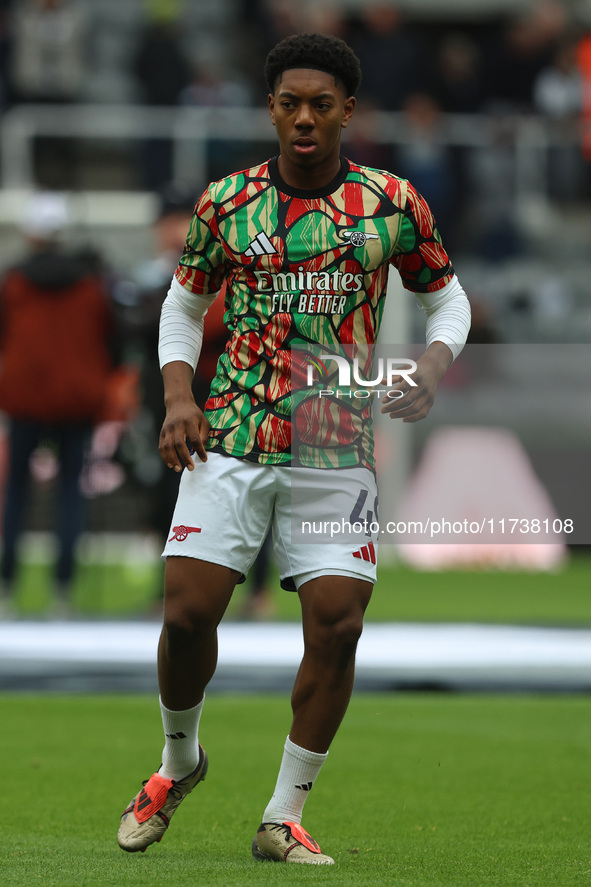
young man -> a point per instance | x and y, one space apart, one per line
304 242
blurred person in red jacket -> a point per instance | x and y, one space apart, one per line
55 364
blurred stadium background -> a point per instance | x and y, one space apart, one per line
486 106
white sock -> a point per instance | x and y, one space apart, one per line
180 755
297 774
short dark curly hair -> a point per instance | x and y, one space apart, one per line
318 51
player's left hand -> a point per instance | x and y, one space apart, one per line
414 403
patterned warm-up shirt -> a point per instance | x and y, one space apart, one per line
303 269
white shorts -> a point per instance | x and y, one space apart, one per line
320 518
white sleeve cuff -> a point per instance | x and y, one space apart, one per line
448 315
181 325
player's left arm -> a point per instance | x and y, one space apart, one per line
426 271
448 324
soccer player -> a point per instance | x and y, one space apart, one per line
304 242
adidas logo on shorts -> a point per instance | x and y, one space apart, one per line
366 553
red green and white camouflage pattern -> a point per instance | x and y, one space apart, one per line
303 269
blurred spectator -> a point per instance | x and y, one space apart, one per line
390 56
140 301
5 52
458 75
48 66
483 330
212 88
558 88
361 143
48 50
325 18
162 73
261 24
55 329
476 365
584 64
492 229
526 47
281 17
429 162
558 96
160 65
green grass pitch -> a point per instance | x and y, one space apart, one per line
401 594
418 791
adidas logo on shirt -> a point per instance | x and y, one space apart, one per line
260 246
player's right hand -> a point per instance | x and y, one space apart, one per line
184 432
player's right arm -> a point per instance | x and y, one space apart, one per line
179 347
193 289
185 428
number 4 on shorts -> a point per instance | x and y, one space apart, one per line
356 516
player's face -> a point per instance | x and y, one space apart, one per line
309 110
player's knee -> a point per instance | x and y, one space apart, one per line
188 620
338 634
185 629
348 630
